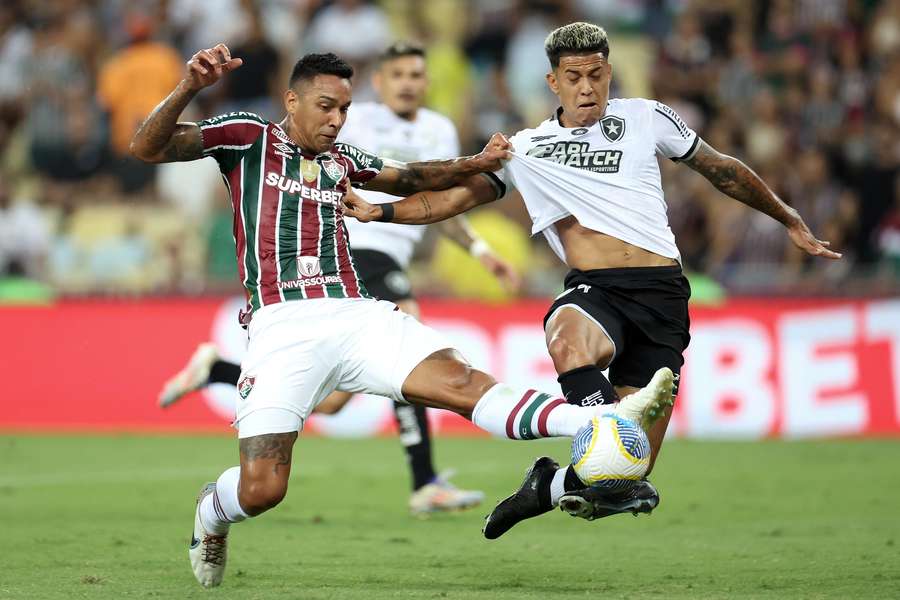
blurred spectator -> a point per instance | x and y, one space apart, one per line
255 86
67 133
354 29
131 83
24 236
16 42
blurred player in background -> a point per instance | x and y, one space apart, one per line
399 128
312 327
590 180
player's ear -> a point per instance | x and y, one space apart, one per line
291 101
376 81
553 83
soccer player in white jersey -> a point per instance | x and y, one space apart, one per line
312 327
590 180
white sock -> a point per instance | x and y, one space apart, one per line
557 486
523 414
222 508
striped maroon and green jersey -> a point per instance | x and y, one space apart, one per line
289 228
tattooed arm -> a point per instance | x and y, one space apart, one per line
161 138
425 207
735 179
402 179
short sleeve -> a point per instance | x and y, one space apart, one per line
362 166
227 137
674 139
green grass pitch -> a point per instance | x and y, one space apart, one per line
110 517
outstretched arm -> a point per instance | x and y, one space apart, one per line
735 179
425 207
402 179
161 138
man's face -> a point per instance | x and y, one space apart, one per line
401 84
581 81
317 109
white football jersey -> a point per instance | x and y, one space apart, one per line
379 130
606 175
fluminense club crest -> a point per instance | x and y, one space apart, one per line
308 266
245 386
613 127
333 169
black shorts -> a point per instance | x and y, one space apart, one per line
383 277
643 310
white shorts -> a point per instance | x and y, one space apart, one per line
300 351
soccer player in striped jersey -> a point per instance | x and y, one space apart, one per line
590 180
398 127
312 327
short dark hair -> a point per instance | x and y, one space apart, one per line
399 49
320 64
576 38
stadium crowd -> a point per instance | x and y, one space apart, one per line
807 92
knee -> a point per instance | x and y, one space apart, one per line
259 495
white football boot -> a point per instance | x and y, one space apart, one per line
208 551
442 496
193 376
647 405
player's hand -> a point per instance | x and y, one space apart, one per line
497 149
359 209
503 271
207 66
806 241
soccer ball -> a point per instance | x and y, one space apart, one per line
610 453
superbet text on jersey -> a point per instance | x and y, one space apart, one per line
289 230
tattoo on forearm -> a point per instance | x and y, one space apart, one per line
735 179
161 133
431 175
427 206
275 446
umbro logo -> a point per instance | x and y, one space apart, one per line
613 128
540 138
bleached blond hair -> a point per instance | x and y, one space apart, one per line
576 38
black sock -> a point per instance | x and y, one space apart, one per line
572 482
587 386
416 441
224 372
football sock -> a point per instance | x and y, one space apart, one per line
413 424
523 414
587 386
222 508
564 480
223 371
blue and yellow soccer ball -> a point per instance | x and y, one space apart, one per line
610 453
